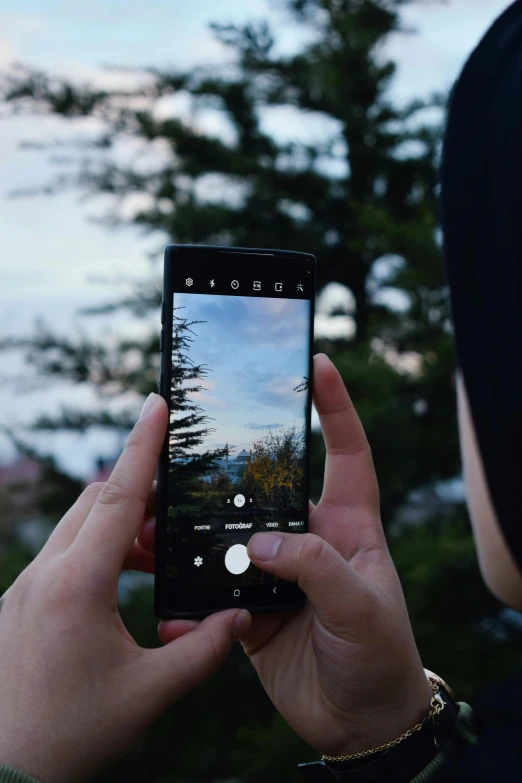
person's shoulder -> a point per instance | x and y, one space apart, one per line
500 704
10 775
496 723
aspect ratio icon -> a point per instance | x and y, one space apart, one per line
257 285
234 284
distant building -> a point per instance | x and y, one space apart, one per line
20 479
19 502
233 467
23 469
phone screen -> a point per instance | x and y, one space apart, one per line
238 337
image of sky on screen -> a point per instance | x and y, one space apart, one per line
256 352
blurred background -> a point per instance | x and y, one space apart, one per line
312 125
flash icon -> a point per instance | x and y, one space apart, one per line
212 283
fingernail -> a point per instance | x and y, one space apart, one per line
148 405
241 623
318 355
264 546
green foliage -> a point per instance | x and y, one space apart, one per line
13 559
458 624
410 420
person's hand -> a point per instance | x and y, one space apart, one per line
75 688
344 670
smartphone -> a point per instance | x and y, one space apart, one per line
236 372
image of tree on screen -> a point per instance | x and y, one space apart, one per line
239 386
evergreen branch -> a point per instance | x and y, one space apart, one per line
303 386
110 368
24 86
145 299
74 420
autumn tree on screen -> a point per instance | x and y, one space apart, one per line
275 469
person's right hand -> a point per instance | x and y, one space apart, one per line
344 670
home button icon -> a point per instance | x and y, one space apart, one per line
237 592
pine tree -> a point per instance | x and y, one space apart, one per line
362 199
189 427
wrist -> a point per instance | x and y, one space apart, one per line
382 724
418 751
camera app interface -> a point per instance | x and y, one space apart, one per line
238 428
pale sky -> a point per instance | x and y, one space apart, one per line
50 254
250 388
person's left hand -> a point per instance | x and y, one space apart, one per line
75 688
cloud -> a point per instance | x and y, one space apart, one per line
204 398
276 321
282 389
253 426
101 77
7 53
448 32
268 388
208 399
30 24
259 321
209 49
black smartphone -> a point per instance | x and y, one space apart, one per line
236 371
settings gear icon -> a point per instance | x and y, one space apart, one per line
198 561
189 281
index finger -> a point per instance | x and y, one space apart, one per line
349 478
115 518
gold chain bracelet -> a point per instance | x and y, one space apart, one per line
436 707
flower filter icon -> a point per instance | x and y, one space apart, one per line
198 561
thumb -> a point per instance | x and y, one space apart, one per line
339 596
180 666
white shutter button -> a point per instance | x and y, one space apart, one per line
236 559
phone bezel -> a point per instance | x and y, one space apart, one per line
198 603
